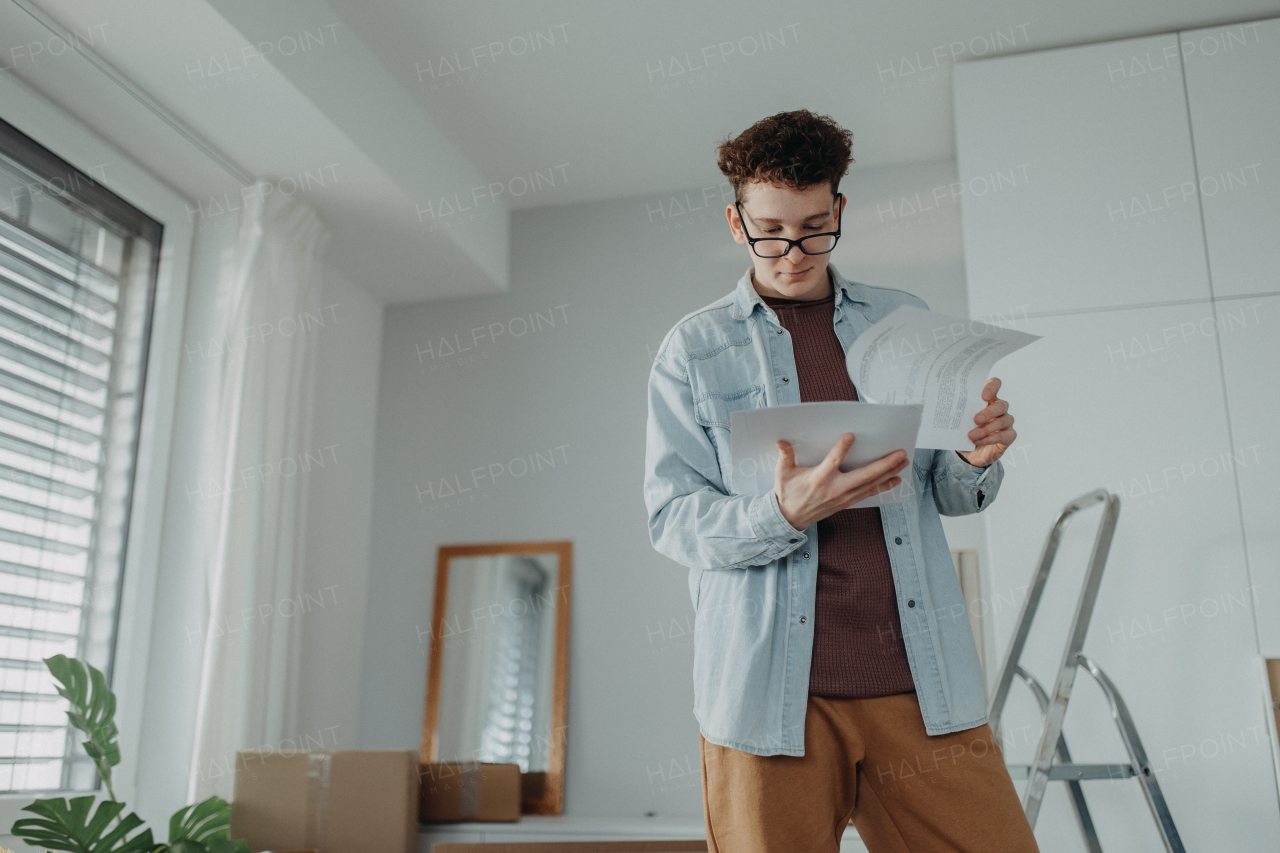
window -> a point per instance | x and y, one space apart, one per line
78 268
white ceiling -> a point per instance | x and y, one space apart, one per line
596 100
594 105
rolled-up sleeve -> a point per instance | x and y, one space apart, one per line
960 488
692 518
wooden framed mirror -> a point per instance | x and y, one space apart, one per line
498 662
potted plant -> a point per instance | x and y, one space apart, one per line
75 826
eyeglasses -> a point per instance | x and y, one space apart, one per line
777 247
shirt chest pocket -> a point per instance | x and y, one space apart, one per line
713 411
715 408
723 382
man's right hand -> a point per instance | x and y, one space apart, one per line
806 495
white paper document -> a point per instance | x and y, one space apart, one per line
937 361
812 429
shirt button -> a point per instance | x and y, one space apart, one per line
897 540
806 555
779 331
911 602
803 620
785 379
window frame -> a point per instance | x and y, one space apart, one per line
69 139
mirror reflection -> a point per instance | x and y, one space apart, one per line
498 659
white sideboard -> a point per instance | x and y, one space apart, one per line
567 828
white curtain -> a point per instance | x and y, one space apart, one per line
255 440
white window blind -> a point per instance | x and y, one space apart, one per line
77 281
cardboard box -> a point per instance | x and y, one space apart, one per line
470 790
331 802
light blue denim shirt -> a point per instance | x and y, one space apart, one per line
752 576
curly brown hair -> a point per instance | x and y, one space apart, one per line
794 149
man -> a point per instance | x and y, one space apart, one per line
835 672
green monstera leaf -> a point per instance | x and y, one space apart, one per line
203 828
203 820
63 825
93 710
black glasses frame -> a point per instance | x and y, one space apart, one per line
836 233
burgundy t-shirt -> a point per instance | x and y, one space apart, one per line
858 649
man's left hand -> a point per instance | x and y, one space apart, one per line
994 432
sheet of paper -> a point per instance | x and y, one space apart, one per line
812 429
940 362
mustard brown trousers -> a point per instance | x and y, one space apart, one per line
870 760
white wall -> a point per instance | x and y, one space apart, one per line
614 276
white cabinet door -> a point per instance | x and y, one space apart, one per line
1233 88
1132 401
1105 212
1249 333
1078 185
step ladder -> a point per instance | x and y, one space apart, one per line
1053 759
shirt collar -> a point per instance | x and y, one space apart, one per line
745 298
